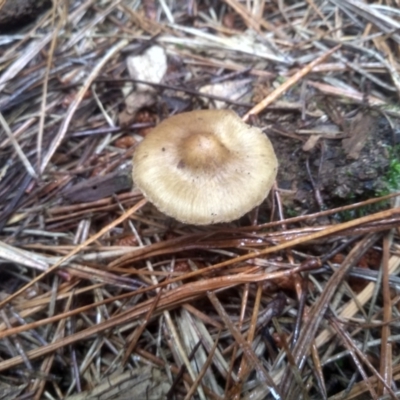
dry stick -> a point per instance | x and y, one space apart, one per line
348 343
47 363
241 278
242 315
175 370
141 328
245 368
253 22
317 312
318 214
346 93
125 317
230 280
185 292
246 347
77 100
360 387
285 245
46 82
208 362
385 367
16 343
319 373
17 148
171 298
345 336
76 250
353 306
289 83
22 60
34 48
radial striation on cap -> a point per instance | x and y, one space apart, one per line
204 167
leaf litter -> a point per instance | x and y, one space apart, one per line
102 296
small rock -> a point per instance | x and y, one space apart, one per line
150 66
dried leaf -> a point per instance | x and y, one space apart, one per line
311 142
360 129
231 90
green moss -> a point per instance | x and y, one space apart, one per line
291 213
392 177
391 182
280 79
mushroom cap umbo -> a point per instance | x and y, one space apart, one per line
204 167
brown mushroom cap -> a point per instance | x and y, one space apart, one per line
204 167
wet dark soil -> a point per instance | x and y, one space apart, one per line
335 171
15 14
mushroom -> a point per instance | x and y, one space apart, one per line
204 167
